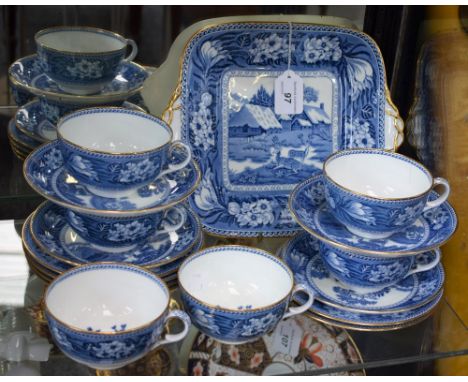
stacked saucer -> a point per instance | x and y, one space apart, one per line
373 262
62 78
116 186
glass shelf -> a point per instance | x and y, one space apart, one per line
425 341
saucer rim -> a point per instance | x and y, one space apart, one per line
281 253
434 301
74 97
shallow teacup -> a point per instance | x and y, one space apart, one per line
118 231
360 270
82 60
107 315
115 149
376 193
237 294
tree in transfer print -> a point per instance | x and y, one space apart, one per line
310 94
262 98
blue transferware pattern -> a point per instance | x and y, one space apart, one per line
27 74
371 319
115 232
370 271
113 171
108 348
250 157
53 110
50 263
53 235
433 228
18 136
371 215
235 326
32 119
20 96
302 255
44 170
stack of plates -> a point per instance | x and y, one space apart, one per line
403 304
52 246
21 144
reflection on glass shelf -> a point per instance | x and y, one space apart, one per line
14 270
415 344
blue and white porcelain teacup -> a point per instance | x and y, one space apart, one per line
115 149
82 60
376 193
237 294
107 315
359 270
118 231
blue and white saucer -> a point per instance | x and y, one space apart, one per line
366 319
52 266
54 236
26 74
45 172
20 138
301 253
430 231
31 121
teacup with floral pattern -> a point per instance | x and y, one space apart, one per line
359 270
237 294
82 60
107 315
119 231
112 149
376 193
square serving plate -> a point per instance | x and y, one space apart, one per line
251 158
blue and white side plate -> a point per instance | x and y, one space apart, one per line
31 121
430 231
366 319
21 139
251 157
27 74
301 253
45 172
52 233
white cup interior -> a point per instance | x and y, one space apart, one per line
235 278
81 41
114 132
101 298
378 175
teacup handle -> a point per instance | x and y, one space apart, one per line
169 338
426 267
293 310
168 227
178 166
134 51
442 198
